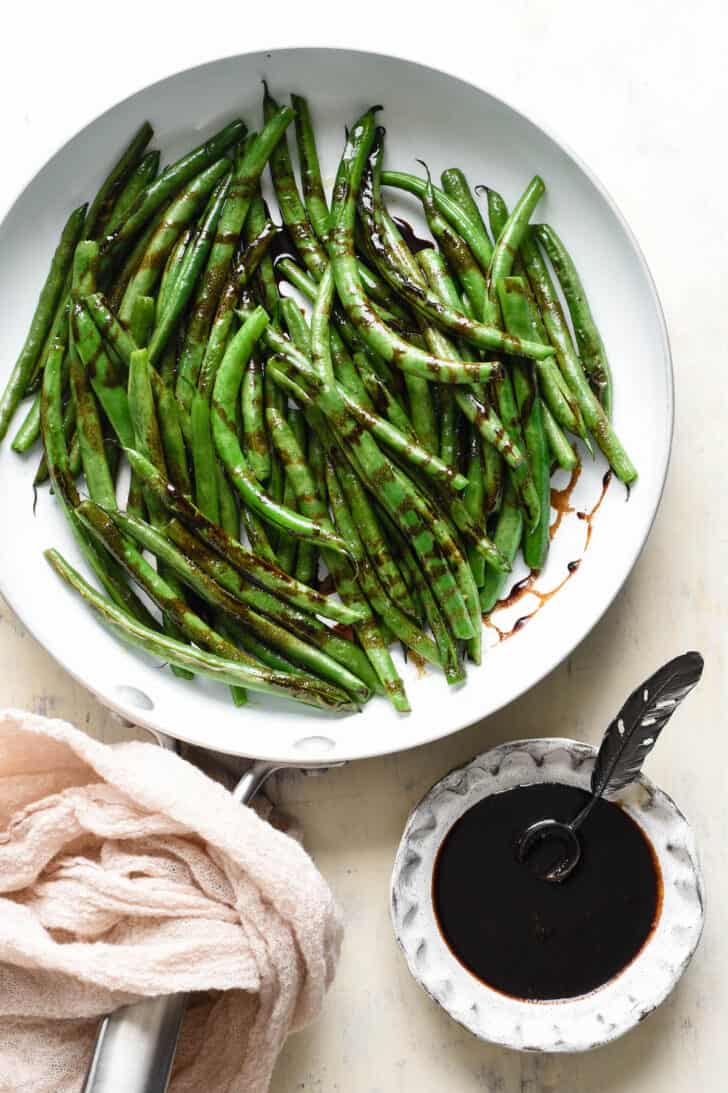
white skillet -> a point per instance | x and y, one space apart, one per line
441 119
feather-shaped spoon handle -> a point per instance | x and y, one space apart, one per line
629 739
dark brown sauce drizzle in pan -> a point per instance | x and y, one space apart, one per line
561 504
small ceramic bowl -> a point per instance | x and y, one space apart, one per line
573 1024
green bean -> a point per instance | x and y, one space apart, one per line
144 173
175 452
507 536
522 476
275 487
254 252
204 459
445 537
225 396
293 212
348 284
105 376
559 446
589 340
266 278
313 188
305 552
508 242
422 410
402 443
459 256
503 432
303 626
497 210
245 181
535 540
307 562
199 581
128 260
369 632
371 636
438 276
255 438
296 325
400 624
372 539
344 328
222 324
570 365
397 494
473 499
190 269
116 336
348 586
250 565
448 651
54 440
164 592
426 302
135 503
298 476
176 219
120 341
29 430
102 205
419 295
43 318
141 321
148 440
85 268
299 687
172 180
346 371
257 535
88 424
385 402
286 546
451 210
170 273
492 478
554 387
69 435
455 185
58 332
530 408
108 573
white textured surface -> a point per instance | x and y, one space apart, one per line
639 93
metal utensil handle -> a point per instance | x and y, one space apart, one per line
135 1046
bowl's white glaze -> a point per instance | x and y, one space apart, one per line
574 1024
445 121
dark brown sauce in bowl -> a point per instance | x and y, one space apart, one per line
531 939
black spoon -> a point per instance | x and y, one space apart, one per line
627 742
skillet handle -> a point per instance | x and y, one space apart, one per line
135 1046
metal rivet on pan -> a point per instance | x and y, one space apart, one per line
132 696
314 745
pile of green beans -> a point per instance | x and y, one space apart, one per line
393 445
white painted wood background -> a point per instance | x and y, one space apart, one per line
640 91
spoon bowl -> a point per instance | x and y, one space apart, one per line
561 833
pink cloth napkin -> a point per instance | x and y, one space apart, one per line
126 872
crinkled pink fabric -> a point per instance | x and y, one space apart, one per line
126 872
